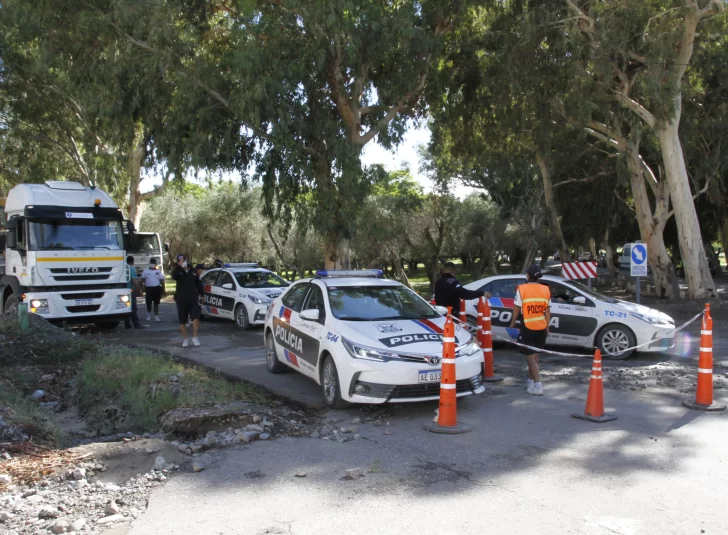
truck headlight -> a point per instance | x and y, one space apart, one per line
39 306
471 347
368 353
123 302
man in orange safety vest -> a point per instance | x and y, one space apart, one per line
532 302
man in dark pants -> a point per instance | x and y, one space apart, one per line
187 296
532 304
449 292
136 290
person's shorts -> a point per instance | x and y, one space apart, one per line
154 294
188 309
533 339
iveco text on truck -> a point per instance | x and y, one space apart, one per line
64 254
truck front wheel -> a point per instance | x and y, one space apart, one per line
11 305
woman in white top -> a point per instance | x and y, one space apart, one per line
154 285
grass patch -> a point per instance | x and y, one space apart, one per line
25 412
130 389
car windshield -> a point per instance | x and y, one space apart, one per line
259 279
82 235
147 245
376 303
591 293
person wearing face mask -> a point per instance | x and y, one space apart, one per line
187 295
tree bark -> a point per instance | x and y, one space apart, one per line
549 201
400 273
136 202
697 273
652 225
338 254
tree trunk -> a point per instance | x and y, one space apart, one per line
697 273
724 239
548 195
652 225
136 201
400 273
528 259
338 254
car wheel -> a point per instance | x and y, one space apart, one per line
613 339
330 384
271 360
241 317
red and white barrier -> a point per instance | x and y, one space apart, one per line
579 270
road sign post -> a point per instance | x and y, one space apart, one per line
638 265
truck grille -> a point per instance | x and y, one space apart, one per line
82 309
88 295
98 274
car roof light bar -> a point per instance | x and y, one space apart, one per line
245 264
332 273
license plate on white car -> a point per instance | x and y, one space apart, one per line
83 302
430 376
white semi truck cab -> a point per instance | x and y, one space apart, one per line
147 246
64 254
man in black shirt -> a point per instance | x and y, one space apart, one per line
449 292
187 295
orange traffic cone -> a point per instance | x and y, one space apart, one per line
463 316
447 420
486 341
594 411
704 395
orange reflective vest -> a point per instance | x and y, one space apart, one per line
534 302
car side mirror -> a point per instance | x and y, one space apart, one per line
579 300
312 314
227 286
441 310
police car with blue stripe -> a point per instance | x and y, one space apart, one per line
240 292
365 339
580 317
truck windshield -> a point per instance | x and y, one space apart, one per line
85 235
148 244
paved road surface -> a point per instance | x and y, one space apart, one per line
526 468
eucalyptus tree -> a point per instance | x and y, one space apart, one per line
639 52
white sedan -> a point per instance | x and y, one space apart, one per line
580 317
365 339
240 292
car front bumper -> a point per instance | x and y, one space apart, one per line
397 382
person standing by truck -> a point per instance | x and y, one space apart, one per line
187 295
154 288
136 290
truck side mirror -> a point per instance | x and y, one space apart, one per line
11 237
166 248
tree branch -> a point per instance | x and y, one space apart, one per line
632 105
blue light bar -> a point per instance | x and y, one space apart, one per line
331 273
248 265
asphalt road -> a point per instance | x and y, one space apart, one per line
525 468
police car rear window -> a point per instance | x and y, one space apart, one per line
375 303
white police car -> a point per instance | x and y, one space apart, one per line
365 339
240 292
580 317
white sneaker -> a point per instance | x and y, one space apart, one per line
535 390
529 385
149 317
195 342
185 343
157 319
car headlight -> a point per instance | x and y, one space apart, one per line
471 347
652 320
259 300
39 306
368 353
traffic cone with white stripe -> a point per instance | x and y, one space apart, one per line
485 338
594 411
447 421
463 316
704 395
